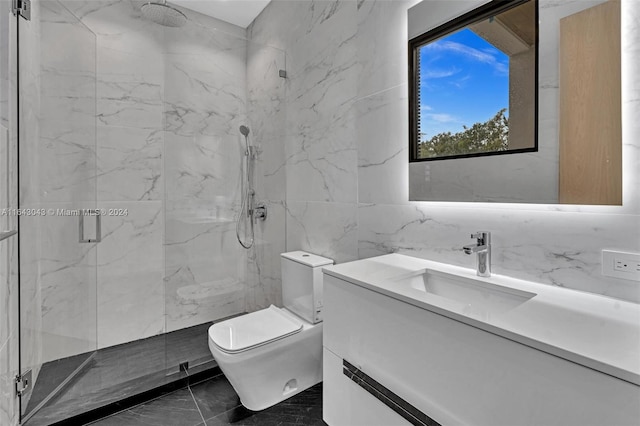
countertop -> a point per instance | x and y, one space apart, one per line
598 332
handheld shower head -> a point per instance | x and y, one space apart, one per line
244 130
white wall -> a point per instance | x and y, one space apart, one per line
347 169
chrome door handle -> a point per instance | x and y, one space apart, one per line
91 212
6 234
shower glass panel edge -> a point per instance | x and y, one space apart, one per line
57 175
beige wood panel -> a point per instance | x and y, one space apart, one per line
590 107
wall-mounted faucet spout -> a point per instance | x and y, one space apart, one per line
482 248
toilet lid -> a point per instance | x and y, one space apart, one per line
257 328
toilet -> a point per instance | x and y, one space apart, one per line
275 353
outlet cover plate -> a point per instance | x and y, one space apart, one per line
631 260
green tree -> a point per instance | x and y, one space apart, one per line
492 135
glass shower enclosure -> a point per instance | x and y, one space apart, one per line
57 172
127 169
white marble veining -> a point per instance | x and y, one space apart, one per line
326 229
263 266
266 118
321 88
203 169
382 27
201 99
546 247
67 282
130 294
557 245
66 147
205 271
266 103
169 103
204 105
320 139
382 152
129 163
129 104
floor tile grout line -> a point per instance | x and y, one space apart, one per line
222 414
197 406
144 403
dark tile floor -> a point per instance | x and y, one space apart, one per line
213 403
118 372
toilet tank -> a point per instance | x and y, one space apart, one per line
302 284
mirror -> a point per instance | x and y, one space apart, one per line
578 159
473 84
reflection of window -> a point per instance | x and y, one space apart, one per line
474 84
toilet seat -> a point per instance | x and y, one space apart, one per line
255 329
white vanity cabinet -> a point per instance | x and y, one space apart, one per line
455 373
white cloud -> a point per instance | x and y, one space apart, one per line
486 56
443 118
461 82
429 73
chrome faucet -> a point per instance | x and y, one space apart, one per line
482 248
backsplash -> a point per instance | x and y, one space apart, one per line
347 128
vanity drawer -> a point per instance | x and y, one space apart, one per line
459 374
347 404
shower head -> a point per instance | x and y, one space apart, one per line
163 14
244 130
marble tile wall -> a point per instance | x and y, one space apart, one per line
204 105
166 106
266 119
319 144
170 101
61 164
558 245
130 299
129 147
141 119
348 59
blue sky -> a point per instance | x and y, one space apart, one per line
463 80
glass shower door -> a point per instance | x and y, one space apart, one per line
8 223
59 227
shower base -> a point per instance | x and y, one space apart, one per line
86 387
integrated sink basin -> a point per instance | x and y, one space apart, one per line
599 332
472 297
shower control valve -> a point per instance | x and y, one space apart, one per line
260 212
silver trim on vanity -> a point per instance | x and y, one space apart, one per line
387 397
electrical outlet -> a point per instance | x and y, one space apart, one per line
626 265
621 264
